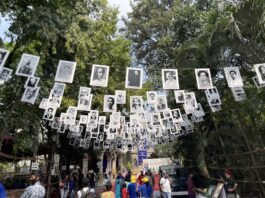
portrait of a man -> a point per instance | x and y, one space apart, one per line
151 97
233 77
44 103
260 70
179 96
3 56
156 119
239 93
109 103
65 71
84 93
136 103
177 118
49 113
32 82
204 79
5 74
30 95
134 78
120 97
170 79
58 88
27 65
71 115
84 104
99 75
83 119
161 104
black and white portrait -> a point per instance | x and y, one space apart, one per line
167 114
136 104
49 113
155 119
102 120
93 115
84 104
65 71
176 114
109 103
257 83
233 77
120 97
99 76
204 79
44 103
30 95
134 78
213 96
170 79
161 104
260 70
151 108
55 99
83 119
32 82
190 101
239 93
71 115
55 123
5 74
179 96
27 65
3 56
58 88
199 112
151 97
84 93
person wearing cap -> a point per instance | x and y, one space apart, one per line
36 190
165 182
131 188
145 189
229 185
108 193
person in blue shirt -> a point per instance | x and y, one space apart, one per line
2 191
131 188
145 189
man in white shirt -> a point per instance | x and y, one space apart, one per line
165 182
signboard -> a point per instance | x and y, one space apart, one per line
35 166
154 164
142 154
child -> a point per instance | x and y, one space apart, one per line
124 191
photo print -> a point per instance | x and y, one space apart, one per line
161 104
58 88
99 75
93 115
199 111
167 114
109 103
136 104
3 56
27 65
54 99
213 96
216 108
176 114
49 113
239 93
134 78
151 97
32 82
151 108
44 103
260 70
156 119
120 97
190 101
5 75
179 96
55 123
65 71
158 131
83 119
257 83
84 104
62 117
30 95
115 119
102 120
233 77
203 78
84 93
71 115
170 79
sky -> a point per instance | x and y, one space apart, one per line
123 5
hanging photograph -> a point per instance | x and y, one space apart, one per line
5 74
155 119
85 104
257 83
239 93
32 82
136 104
170 79
65 71
27 65
44 103
3 56
151 97
177 118
55 99
233 77
30 95
109 103
179 96
55 123
99 75
120 97
199 112
49 113
213 96
190 100
93 115
203 78
83 119
58 88
161 104
260 70
102 120
84 93
134 78
71 115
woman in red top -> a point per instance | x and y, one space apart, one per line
124 191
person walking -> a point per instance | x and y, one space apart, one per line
108 193
132 187
145 190
36 190
2 190
118 184
165 183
